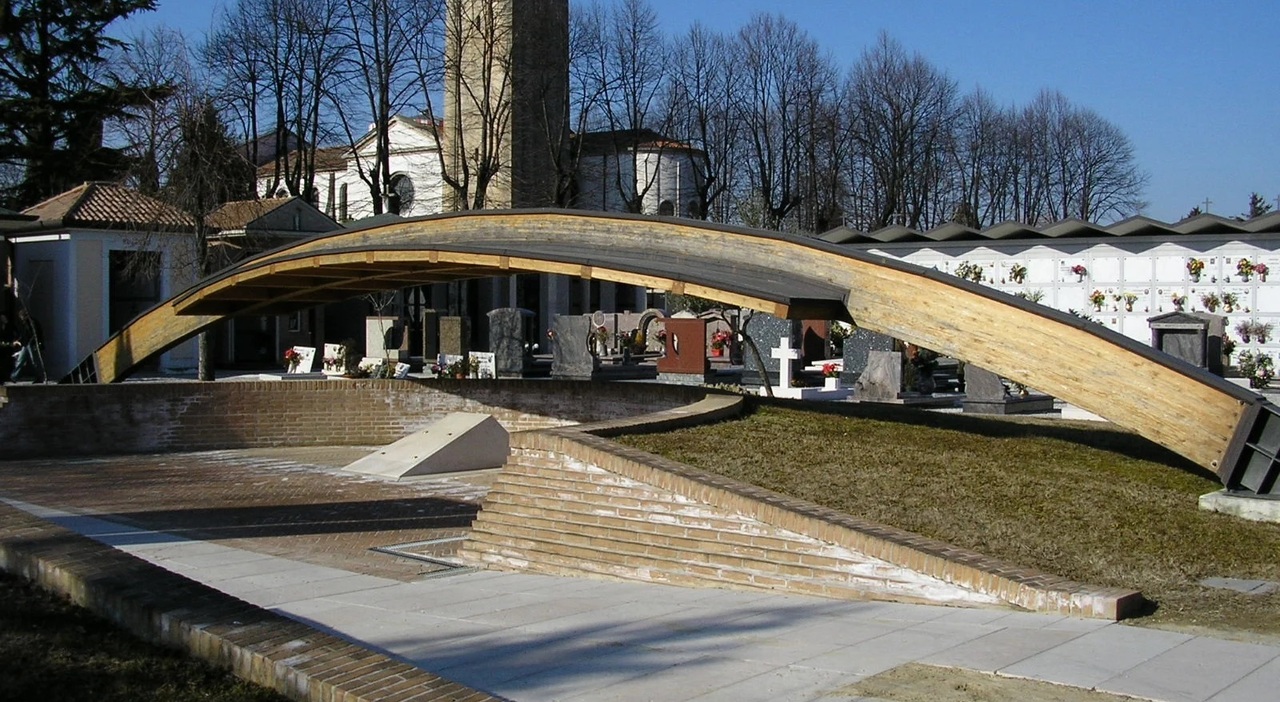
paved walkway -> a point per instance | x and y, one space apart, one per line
297 546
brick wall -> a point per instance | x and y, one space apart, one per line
67 420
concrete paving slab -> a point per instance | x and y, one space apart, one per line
783 684
1261 684
1100 655
586 676
541 611
672 685
1000 649
890 650
1193 671
307 591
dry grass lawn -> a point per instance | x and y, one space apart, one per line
1078 499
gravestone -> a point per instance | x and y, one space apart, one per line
787 358
684 359
857 349
334 359
430 333
1194 337
455 335
306 359
507 341
814 340
985 393
881 378
571 358
767 332
485 364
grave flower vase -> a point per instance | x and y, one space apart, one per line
717 352
832 383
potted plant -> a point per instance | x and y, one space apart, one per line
1257 367
291 359
1245 330
1080 272
1195 267
1210 301
1245 268
719 340
1097 298
1018 273
1262 331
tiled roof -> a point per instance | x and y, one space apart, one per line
109 206
240 213
333 158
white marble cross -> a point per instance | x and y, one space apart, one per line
785 355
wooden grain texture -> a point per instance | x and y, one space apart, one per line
1190 412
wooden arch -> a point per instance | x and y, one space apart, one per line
1212 422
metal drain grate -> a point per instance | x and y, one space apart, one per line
432 551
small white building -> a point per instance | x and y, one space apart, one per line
94 258
637 165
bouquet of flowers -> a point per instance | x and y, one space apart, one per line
720 339
1079 270
292 358
830 370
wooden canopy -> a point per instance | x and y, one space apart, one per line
1199 415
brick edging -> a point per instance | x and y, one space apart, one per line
165 608
1019 586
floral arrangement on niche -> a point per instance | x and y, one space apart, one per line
1129 299
1228 347
720 339
1257 367
1179 301
1262 271
830 370
1229 302
969 271
1245 268
1195 267
1251 330
291 359
1079 271
337 361
1018 273
1210 301
1097 298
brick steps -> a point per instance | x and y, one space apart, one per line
582 520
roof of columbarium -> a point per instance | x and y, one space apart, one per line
1204 224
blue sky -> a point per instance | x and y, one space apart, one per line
1195 85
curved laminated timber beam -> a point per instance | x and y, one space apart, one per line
1212 422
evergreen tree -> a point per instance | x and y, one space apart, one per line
1258 206
56 93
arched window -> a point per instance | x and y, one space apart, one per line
694 211
400 199
666 208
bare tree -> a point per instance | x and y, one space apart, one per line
903 112
783 72
380 36
158 56
705 86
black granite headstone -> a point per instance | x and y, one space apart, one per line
767 330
